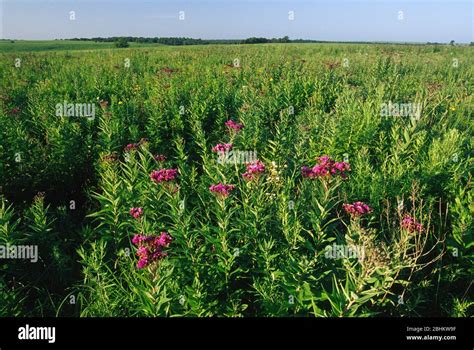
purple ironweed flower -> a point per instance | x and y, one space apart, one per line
136 212
256 167
233 125
222 147
221 189
163 175
320 170
150 248
357 209
143 251
326 168
325 160
160 158
142 263
340 168
254 170
131 147
157 255
15 110
136 239
306 171
411 225
163 240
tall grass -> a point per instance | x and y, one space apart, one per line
263 250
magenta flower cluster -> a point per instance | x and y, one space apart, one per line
326 167
160 158
254 170
357 209
131 147
150 248
222 147
163 175
411 225
134 146
136 212
221 189
233 125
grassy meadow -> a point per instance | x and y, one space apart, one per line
342 187
59 45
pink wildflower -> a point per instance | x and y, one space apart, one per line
15 110
136 212
233 125
254 170
326 168
131 147
163 240
357 209
160 158
221 189
142 263
222 147
411 225
163 175
150 248
306 171
136 239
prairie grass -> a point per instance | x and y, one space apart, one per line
263 247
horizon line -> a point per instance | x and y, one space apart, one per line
240 39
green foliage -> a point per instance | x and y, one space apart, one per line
121 43
67 183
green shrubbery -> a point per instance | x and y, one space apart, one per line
266 249
121 43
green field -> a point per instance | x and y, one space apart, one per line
59 45
285 240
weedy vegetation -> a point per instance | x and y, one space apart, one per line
347 208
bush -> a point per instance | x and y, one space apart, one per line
121 43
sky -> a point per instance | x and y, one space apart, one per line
336 20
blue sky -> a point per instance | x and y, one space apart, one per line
338 20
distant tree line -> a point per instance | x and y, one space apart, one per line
176 41
255 40
185 41
156 40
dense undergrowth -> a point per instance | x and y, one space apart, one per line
270 244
